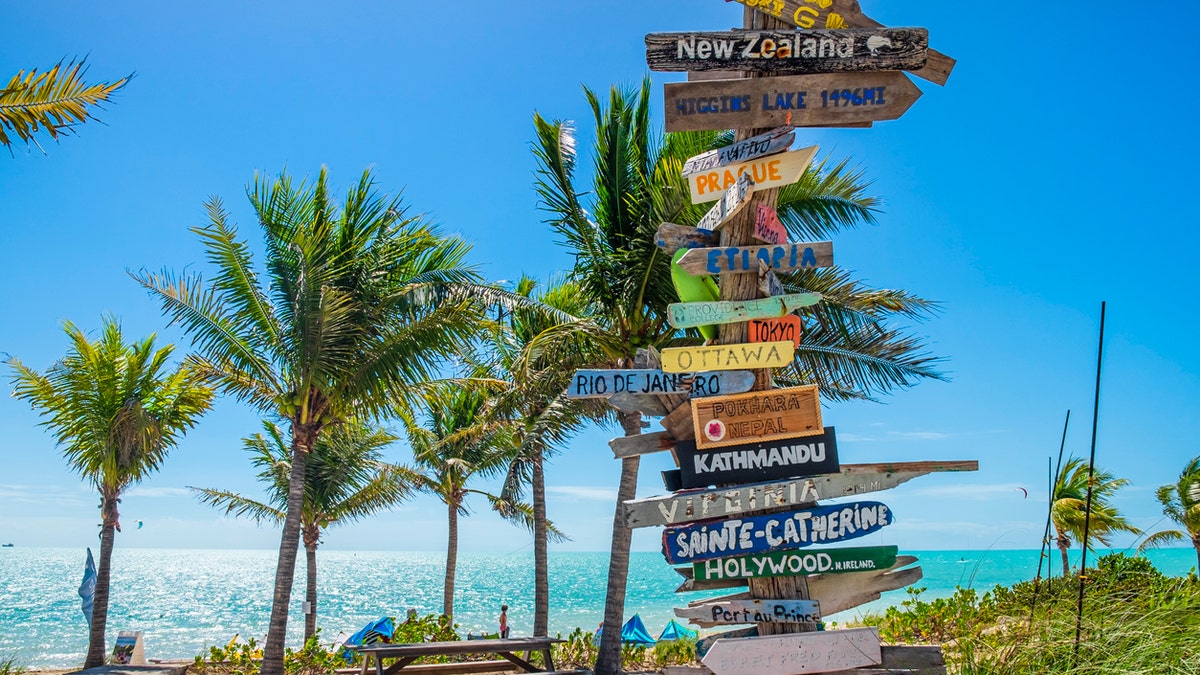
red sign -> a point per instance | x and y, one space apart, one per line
786 327
767 226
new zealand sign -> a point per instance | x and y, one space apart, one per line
789 52
757 462
775 532
758 416
795 563
604 383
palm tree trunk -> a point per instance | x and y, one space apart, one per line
96 639
310 592
1196 545
541 563
1064 544
451 558
289 544
608 660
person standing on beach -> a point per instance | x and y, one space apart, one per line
503 622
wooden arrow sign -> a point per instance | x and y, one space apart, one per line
645 404
742 259
767 226
788 327
709 539
641 444
757 462
774 141
758 416
752 611
671 237
727 357
799 100
692 314
795 653
855 479
766 172
789 52
729 205
604 383
795 563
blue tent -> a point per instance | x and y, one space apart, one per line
676 631
379 630
634 632
87 587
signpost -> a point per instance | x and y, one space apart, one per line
791 563
767 226
693 314
756 462
729 205
789 52
605 383
727 357
770 414
787 327
752 611
835 592
671 237
741 259
795 654
774 141
799 100
767 172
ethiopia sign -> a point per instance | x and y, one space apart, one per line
769 415
789 52
757 462
784 258
794 563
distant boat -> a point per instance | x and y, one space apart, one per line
6 545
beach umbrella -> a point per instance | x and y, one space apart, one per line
379 630
675 631
634 632
87 587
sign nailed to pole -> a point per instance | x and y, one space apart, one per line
774 141
756 462
758 416
789 52
782 257
767 172
793 563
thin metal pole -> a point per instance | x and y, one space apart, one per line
1053 478
1087 509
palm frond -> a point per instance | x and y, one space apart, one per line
53 101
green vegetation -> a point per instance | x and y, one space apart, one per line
1136 620
1181 503
9 666
1070 506
53 101
580 652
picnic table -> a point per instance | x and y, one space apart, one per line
406 653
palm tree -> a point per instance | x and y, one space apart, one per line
1068 509
115 410
1181 503
637 185
361 304
345 479
53 101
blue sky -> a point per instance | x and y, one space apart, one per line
1049 174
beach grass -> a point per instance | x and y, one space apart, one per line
9 666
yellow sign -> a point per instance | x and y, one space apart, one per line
767 172
728 357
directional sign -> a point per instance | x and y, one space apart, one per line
795 653
753 611
691 314
757 462
774 141
729 205
794 563
766 172
855 479
775 532
757 416
646 404
787 327
671 237
784 258
604 383
835 592
641 444
843 14
767 226
799 100
728 357
789 52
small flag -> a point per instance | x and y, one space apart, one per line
87 587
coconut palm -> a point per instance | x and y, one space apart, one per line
1181 503
852 351
360 304
115 410
345 479
53 101
1069 507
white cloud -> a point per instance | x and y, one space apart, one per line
157 492
41 494
978 493
920 435
584 493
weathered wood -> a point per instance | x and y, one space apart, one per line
752 611
679 423
817 652
759 416
595 383
787 327
789 52
837 595
822 581
843 14
895 659
791 530
650 358
744 259
769 285
767 172
671 237
854 479
757 462
691 314
647 405
767 226
727 357
641 444
729 205
774 141
799 100
793 563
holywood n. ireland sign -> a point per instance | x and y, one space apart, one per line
793 563
757 461
789 52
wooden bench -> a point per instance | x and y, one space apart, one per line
459 668
405 654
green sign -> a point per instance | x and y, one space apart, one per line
794 563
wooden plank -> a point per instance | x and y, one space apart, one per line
844 14
761 416
727 357
797 653
679 423
787 327
854 479
799 100
790 530
767 226
647 405
745 259
837 595
789 52
767 172
752 611
671 237
692 314
769 285
772 142
729 205
825 583
641 444
757 462
598 383
793 563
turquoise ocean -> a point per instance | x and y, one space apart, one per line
185 600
